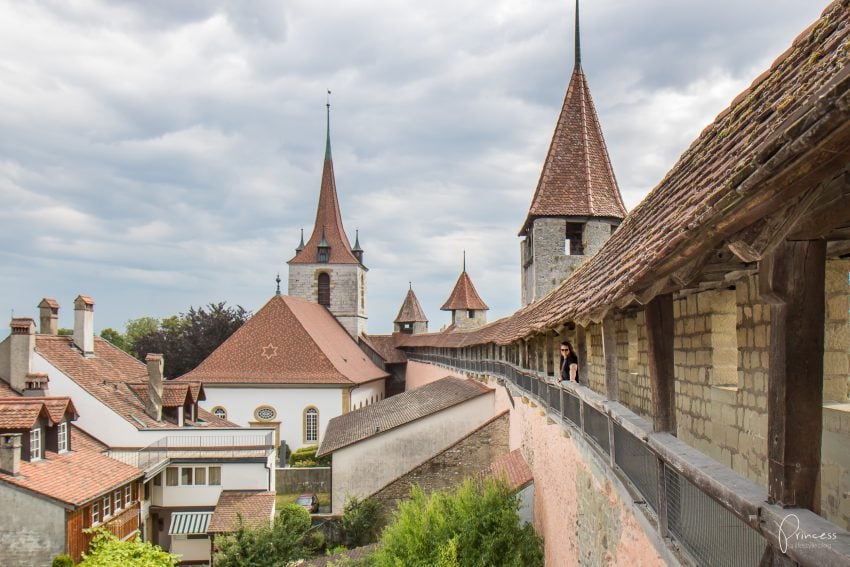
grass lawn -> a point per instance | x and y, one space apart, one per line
282 499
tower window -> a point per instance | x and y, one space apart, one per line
324 282
470 313
572 239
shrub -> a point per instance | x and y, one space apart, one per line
63 561
360 522
106 550
308 454
288 539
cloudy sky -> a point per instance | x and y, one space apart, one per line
161 154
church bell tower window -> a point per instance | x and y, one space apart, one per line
324 295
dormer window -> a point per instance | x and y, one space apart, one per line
62 437
35 444
324 255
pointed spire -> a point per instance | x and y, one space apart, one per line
277 279
578 42
464 261
464 296
328 137
357 241
411 310
301 244
324 241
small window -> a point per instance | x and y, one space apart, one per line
95 513
324 289
128 494
107 506
215 476
220 412
62 433
35 444
117 498
157 480
200 475
186 476
471 314
324 254
147 485
171 476
265 413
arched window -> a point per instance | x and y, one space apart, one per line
311 425
324 289
220 412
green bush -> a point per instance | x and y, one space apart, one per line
360 522
63 561
106 550
308 455
475 524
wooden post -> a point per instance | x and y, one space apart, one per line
581 353
659 331
609 347
791 280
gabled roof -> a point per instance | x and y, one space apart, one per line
328 224
463 296
174 394
385 347
577 179
411 311
20 413
399 410
73 478
109 376
514 468
288 341
253 508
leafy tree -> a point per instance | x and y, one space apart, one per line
306 457
106 550
475 524
360 522
114 337
288 539
185 339
63 332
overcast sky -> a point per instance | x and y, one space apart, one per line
161 154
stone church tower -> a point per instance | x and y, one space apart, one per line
326 269
411 317
468 309
577 204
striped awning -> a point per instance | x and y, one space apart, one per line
189 523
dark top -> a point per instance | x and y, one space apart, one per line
565 367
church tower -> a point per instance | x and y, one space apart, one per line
411 317
577 204
468 309
326 270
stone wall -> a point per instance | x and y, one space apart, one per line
633 374
836 362
595 378
595 234
33 529
447 469
463 322
348 291
302 480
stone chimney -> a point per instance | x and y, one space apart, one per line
10 453
22 345
156 365
49 315
36 385
84 324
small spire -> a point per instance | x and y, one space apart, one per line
301 245
464 260
578 42
277 279
328 144
410 286
324 241
356 241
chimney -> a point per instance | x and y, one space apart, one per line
10 453
84 324
156 365
49 315
36 385
22 345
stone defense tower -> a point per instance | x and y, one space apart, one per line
468 309
411 318
577 204
327 270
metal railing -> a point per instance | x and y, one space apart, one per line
712 534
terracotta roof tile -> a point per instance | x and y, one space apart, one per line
6 391
254 508
49 302
288 341
411 311
73 478
514 468
577 177
463 295
398 410
21 413
385 346
82 441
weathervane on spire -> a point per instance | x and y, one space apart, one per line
328 145
578 42
277 279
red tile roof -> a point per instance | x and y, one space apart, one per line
254 508
49 302
18 412
328 223
577 177
288 341
513 467
174 394
82 441
464 296
385 346
73 478
411 311
792 122
6 391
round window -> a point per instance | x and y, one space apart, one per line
265 413
220 412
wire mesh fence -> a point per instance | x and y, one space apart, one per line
572 409
596 426
638 463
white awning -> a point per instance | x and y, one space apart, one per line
189 523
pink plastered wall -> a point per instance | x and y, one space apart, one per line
419 374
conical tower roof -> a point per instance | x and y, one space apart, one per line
328 226
464 296
411 311
577 177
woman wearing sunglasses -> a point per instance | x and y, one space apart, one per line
569 363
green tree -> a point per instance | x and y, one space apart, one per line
185 340
288 539
63 332
360 522
106 550
114 337
475 524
